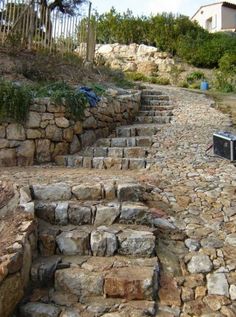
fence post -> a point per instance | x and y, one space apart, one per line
89 30
31 26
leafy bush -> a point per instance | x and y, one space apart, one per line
225 76
63 94
162 81
136 76
197 75
15 100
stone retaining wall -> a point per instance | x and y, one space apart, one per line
50 131
18 249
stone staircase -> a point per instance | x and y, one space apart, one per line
97 252
129 147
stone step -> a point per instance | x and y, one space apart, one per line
155 102
150 92
137 130
156 113
88 191
157 107
122 239
65 305
100 284
125 142
116 152
153 119
95 213
104 162
147 98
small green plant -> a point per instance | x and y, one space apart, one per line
162 81
194 76
135 76
183 84
15 100
63 94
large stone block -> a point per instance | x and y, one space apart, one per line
43 153
87 191
11 292
74 242
39 310
107 215
52 192
25 153
131 283
115 152
103 243
62 122
4 143
34 120
129 192
75 145
8 157
53 133
136 243
133 212
80 282
79 214
15 131
87 138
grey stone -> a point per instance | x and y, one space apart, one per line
137 163
103 243
75 145
232 292
129 192
25 153
87 138
8 157
200 263
45 210
79 282
100 151
98 162
52 192
212 242
87 191
231 239
34 120
74 242
217 284
133 212
53 133
115 152
106 215
39 310
118 142
163 223
192 245
79 214
43 153
61 213
15 131
62 122
137 243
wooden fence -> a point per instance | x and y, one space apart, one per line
28 24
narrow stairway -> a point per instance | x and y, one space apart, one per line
129 147
97 252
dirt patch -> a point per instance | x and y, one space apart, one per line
6 193
9 229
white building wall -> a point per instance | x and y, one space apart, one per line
206 13
228 18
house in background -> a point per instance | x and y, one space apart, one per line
215 17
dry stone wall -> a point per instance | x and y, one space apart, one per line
49 130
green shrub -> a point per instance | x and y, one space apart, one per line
15 100
63 94
225 76
134 76
183 84
162 81
197 75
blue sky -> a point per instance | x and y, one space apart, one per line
146 7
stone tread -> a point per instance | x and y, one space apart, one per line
153 119
155 113
126 142
116 152
104 163
96 213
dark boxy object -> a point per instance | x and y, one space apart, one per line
224 144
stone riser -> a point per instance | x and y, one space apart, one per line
154 98
153 119
121 239
104 163
93 213
116 152
133 131
125 142
150 92
164 113
156 103
157 108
